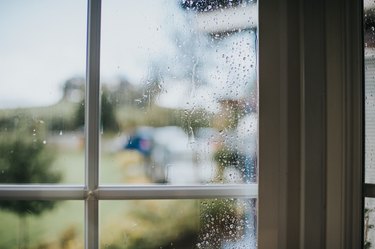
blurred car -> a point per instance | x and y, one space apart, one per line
161 147
141 141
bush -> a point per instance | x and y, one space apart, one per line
24 159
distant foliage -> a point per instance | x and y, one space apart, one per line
79 115
223 221
108 115
367 227
194 119
210 5
157 228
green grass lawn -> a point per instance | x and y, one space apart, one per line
49 228
72 164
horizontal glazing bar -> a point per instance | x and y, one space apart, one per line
176 192
121 192
42 192
369 190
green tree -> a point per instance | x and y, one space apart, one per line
107 115
79 115
24 159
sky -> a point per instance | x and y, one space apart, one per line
43 44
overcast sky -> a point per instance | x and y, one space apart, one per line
43 43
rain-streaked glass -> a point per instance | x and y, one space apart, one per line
215 223
41 224
42 68
369 223
179 92
369 54
369 105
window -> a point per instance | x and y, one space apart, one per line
170 124
310 124
369 125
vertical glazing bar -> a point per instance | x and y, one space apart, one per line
92 94
91 224
92 112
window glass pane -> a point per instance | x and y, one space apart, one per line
219 223
179 92
41 224
369 219
369 103
42 68
369 39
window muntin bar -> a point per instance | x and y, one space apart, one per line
92 111
92 114
121 192
42 192
177 192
